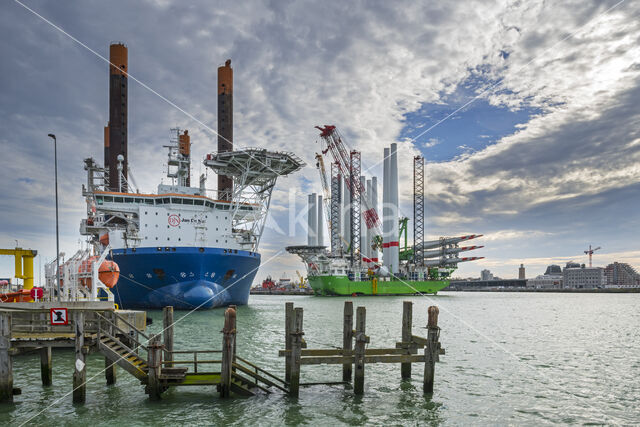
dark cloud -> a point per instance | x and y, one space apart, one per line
360 65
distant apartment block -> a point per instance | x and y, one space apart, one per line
583 277
486 275
621 275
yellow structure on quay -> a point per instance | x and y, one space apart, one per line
23 264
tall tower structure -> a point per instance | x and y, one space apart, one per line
521 274
115 133
418 210
225 124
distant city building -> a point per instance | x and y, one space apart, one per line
462 285
521 274
621 275
553 269
552 278
583 277
486 275
546 281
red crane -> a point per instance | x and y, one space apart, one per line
337 147
590 253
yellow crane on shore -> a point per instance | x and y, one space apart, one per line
23 264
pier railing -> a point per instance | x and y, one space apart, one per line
193 360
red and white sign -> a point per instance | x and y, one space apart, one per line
59 316
174 220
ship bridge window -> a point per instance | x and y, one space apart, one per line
158 201
108 198
139 200
209 204
129 199
166 200
176 200
223 207
118 199
148 201
99 200
198 202
187 201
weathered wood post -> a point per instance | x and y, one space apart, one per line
80 368
228 341
235 333
407 320
167 328
110 367
347 339
154 362
361 341
431 350
296 352
6 367
288 327
46 369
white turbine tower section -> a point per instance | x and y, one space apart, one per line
312 221
394 249
386 257
374 204
320 223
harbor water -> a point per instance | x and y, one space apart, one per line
511 358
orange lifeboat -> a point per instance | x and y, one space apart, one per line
22 295
108 273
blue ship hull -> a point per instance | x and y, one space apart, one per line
186 278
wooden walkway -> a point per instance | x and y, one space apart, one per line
152 359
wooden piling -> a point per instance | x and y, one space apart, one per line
296 352
109 371
359 352
109 366
235 332
288 327
46 369
167 328
407 319
6 368
347 339
80 368
154 362
228 345
431 350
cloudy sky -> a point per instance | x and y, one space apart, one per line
527 112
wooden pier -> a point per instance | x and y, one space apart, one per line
121 338
354 354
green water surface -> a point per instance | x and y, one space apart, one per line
511 358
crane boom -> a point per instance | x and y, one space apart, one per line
590 253
335 144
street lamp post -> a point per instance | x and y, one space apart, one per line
55 156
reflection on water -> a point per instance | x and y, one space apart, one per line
511 359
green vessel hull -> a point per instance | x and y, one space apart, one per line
341 285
